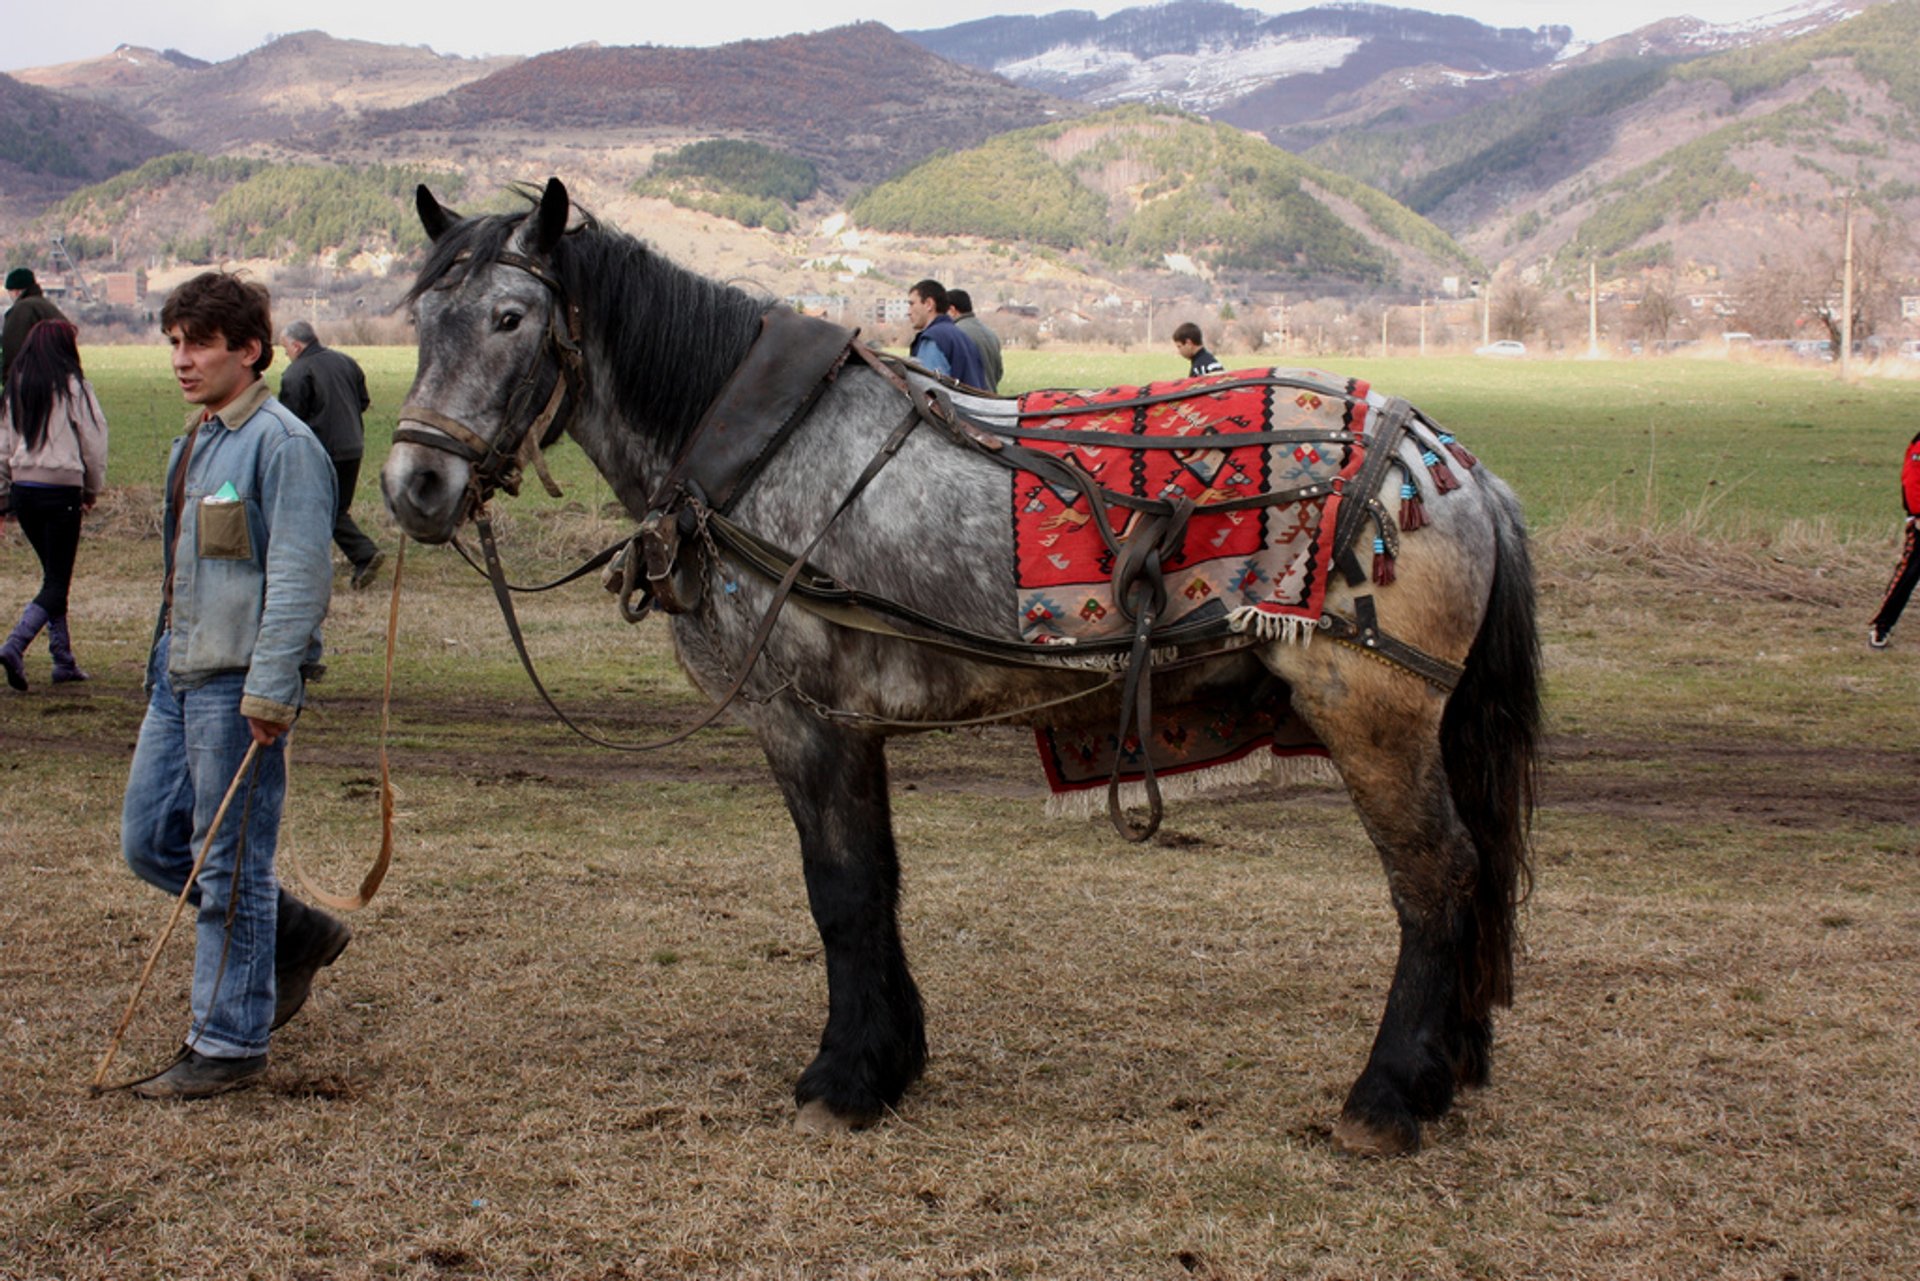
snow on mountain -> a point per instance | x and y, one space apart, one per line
1209 77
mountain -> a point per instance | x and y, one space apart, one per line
1240 65
1141 186
1687 146
860 101
296 84
1706 164
51 144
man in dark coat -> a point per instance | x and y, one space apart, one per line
30 307
960 307
939 345
328 391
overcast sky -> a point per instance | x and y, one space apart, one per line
41 32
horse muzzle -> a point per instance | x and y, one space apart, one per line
426 489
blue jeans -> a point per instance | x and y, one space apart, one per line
191 743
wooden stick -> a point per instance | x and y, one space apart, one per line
179 905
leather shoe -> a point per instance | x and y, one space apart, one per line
194 1075
364 572
322 939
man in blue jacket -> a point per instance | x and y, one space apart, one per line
938 344
248 523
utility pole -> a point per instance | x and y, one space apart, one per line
1423 326
1846 296
1593 310
1384 311
1486 315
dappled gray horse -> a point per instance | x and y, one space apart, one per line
1424 690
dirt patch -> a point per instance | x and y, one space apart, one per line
1692 773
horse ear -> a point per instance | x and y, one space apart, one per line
551 221
434 216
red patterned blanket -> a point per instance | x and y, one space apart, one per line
1265 566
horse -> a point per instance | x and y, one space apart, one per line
540 323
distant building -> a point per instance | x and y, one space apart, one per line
831 306
125 288
890 311
1910 307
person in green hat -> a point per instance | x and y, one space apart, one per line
29 308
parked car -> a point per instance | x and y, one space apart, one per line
1503 347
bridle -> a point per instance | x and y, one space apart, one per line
499 463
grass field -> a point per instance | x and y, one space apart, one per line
1737 448
563 1041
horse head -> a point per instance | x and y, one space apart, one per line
499 362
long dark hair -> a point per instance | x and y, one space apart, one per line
48 362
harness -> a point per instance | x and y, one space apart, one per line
791 364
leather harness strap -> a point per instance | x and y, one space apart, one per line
786 371
782 590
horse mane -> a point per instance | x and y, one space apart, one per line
672 337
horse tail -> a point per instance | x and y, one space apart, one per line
1490 737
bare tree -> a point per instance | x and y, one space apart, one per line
1658 310
1875 290
1518 309
1804 285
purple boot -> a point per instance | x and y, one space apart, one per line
13 652
60 644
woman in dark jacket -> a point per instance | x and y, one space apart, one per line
53 462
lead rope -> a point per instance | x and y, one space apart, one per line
370 883
97 1086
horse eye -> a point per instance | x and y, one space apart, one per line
508 322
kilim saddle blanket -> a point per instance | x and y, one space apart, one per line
1265 566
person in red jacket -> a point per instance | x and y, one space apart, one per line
1908 569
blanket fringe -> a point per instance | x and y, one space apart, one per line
1271 626
1258 767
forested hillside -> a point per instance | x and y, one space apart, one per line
239 208
1136 184
1639 162
50 144
754 185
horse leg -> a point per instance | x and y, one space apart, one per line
874 1045
1384 731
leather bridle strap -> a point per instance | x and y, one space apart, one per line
491 464
460 440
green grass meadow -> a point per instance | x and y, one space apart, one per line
1731 449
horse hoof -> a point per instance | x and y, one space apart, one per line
1360 1138
815 1117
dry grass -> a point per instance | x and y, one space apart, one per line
563 1041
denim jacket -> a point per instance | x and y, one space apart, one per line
252 561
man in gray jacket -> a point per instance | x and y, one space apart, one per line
327 390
